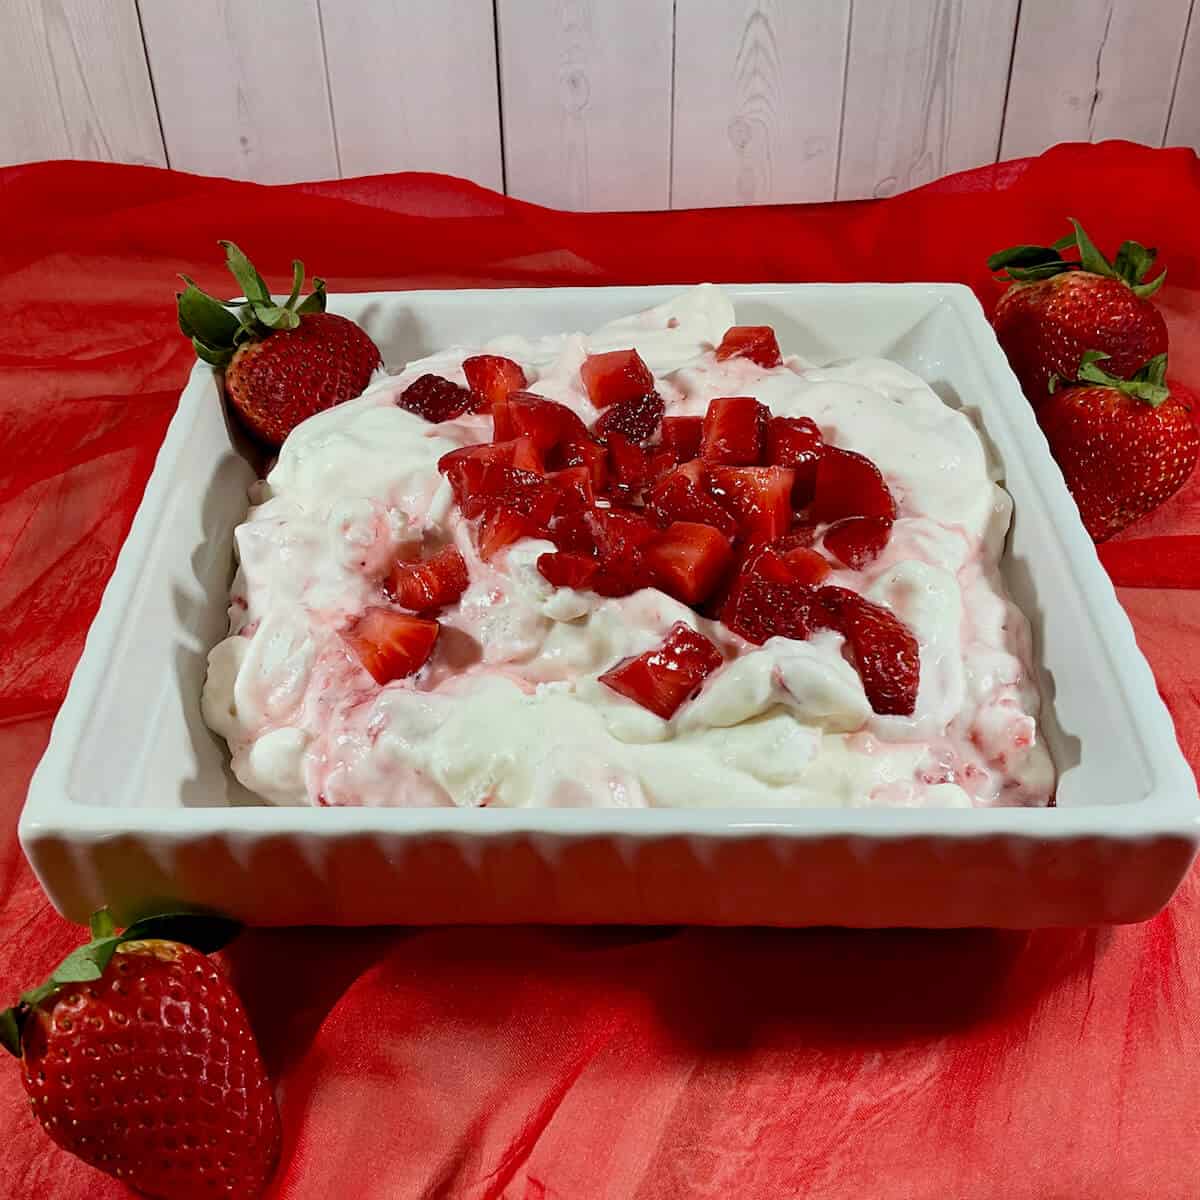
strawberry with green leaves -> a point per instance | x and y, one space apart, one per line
138 1058
1056 308
1124 445
282 362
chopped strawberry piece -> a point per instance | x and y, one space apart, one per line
802 533
615 538
434 398
389 644
574 485
796 442
568 568
586 453
681 436
759 497
755 342
491 378
688 560
765 562
661 680
735 431
807 566
759 609
504 523
432 584
849 485
482 472
684 495
857 541
615 377
883 648
545 422
636 418
628 462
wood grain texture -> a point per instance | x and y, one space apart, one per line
413 86
1183 127
1085 70
75 83
586 101
758 100
925 86
241 87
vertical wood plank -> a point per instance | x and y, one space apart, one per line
241 87
75 83
925 88
1085 70
1183 128
433 108
586 101
758 100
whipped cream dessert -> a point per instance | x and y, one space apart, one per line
510 707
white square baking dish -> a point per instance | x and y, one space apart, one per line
133 803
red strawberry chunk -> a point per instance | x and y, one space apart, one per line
505 523
759 609
545 422
661 680
883 648
796 442
684 495
615 538
755 342
482 472
628 462
849 485
574 486
432 584
759 497
636 418
681 436
615 377
586 453
734 431
688 560
434 398
765 562
568 568
857 541
389 644
491 378
807 566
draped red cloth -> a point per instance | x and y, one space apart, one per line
541 1064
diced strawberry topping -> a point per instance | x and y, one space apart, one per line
849 485
760 608
504 523
628 462
574 485
432 584
615 377
884 650
857 541
661 680
614 537
688 560
765 562
681 436
807 566
491 378
759 497
586 453
389 644
434 398
755 342
568 568
684 495
796 442
636 418
479 473
734 431
545 422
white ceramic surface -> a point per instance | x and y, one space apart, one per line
133 804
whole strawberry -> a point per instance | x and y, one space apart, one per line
1056 308
1124 445
138 1058
283 362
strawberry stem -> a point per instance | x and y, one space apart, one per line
1148 384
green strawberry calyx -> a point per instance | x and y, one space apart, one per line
205 932
218 327
1025 264
1148 384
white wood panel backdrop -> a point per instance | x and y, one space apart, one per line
595 103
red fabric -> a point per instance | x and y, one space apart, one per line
602 1065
